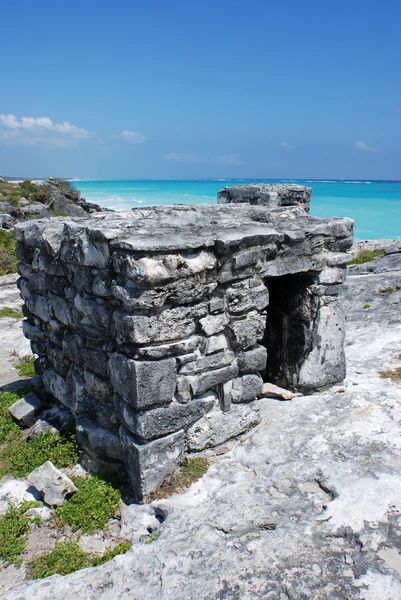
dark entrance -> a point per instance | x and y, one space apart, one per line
291 314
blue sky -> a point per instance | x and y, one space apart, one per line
181 89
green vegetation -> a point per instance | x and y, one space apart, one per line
366 306
388 290
63 559
19 457
190 471
393 374
10 313
91 507
365 256
8 427
8 257
109 554
68 557
14 526
25 366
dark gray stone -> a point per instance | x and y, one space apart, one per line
143 383
158 422
25 410
148 464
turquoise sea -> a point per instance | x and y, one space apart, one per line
374 205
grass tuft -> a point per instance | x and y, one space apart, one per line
25 366
91 507
388 290
65 558
14 526
365 256
68 557
8 257
190 471
109 554
19 457
366 306
393 374
10 313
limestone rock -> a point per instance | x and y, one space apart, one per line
269 390
149 463
218 427
54 485
138 522
15 491
25 410
53 419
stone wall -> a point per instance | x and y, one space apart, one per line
150 324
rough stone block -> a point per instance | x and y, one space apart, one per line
213 324
243 298
97 387
143 383
170 349
97 441
252 360
205 363
217 427
57 386
248 332
158 422
170 324
216 343
246 388
25 410
205 381
148 464
53 419
54 485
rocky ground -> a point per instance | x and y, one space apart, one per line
308 506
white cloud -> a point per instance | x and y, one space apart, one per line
365 147
285 145
32 131
192 157
132 136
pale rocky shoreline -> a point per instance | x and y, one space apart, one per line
306 507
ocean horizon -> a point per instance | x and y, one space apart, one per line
375 206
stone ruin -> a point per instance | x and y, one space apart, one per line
157 326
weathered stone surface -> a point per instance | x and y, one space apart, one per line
205 381
217 427
25 410
246 388
213 324
143 383
14 491
137 522
170 324
53 419
267 194
149 463
216 343
155 423
97 441
248 332
252 360
54 485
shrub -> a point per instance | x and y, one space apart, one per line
68 557
8 257
365 256
26 366
91 507
63 559
19 457
393 374
10 313
14 526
